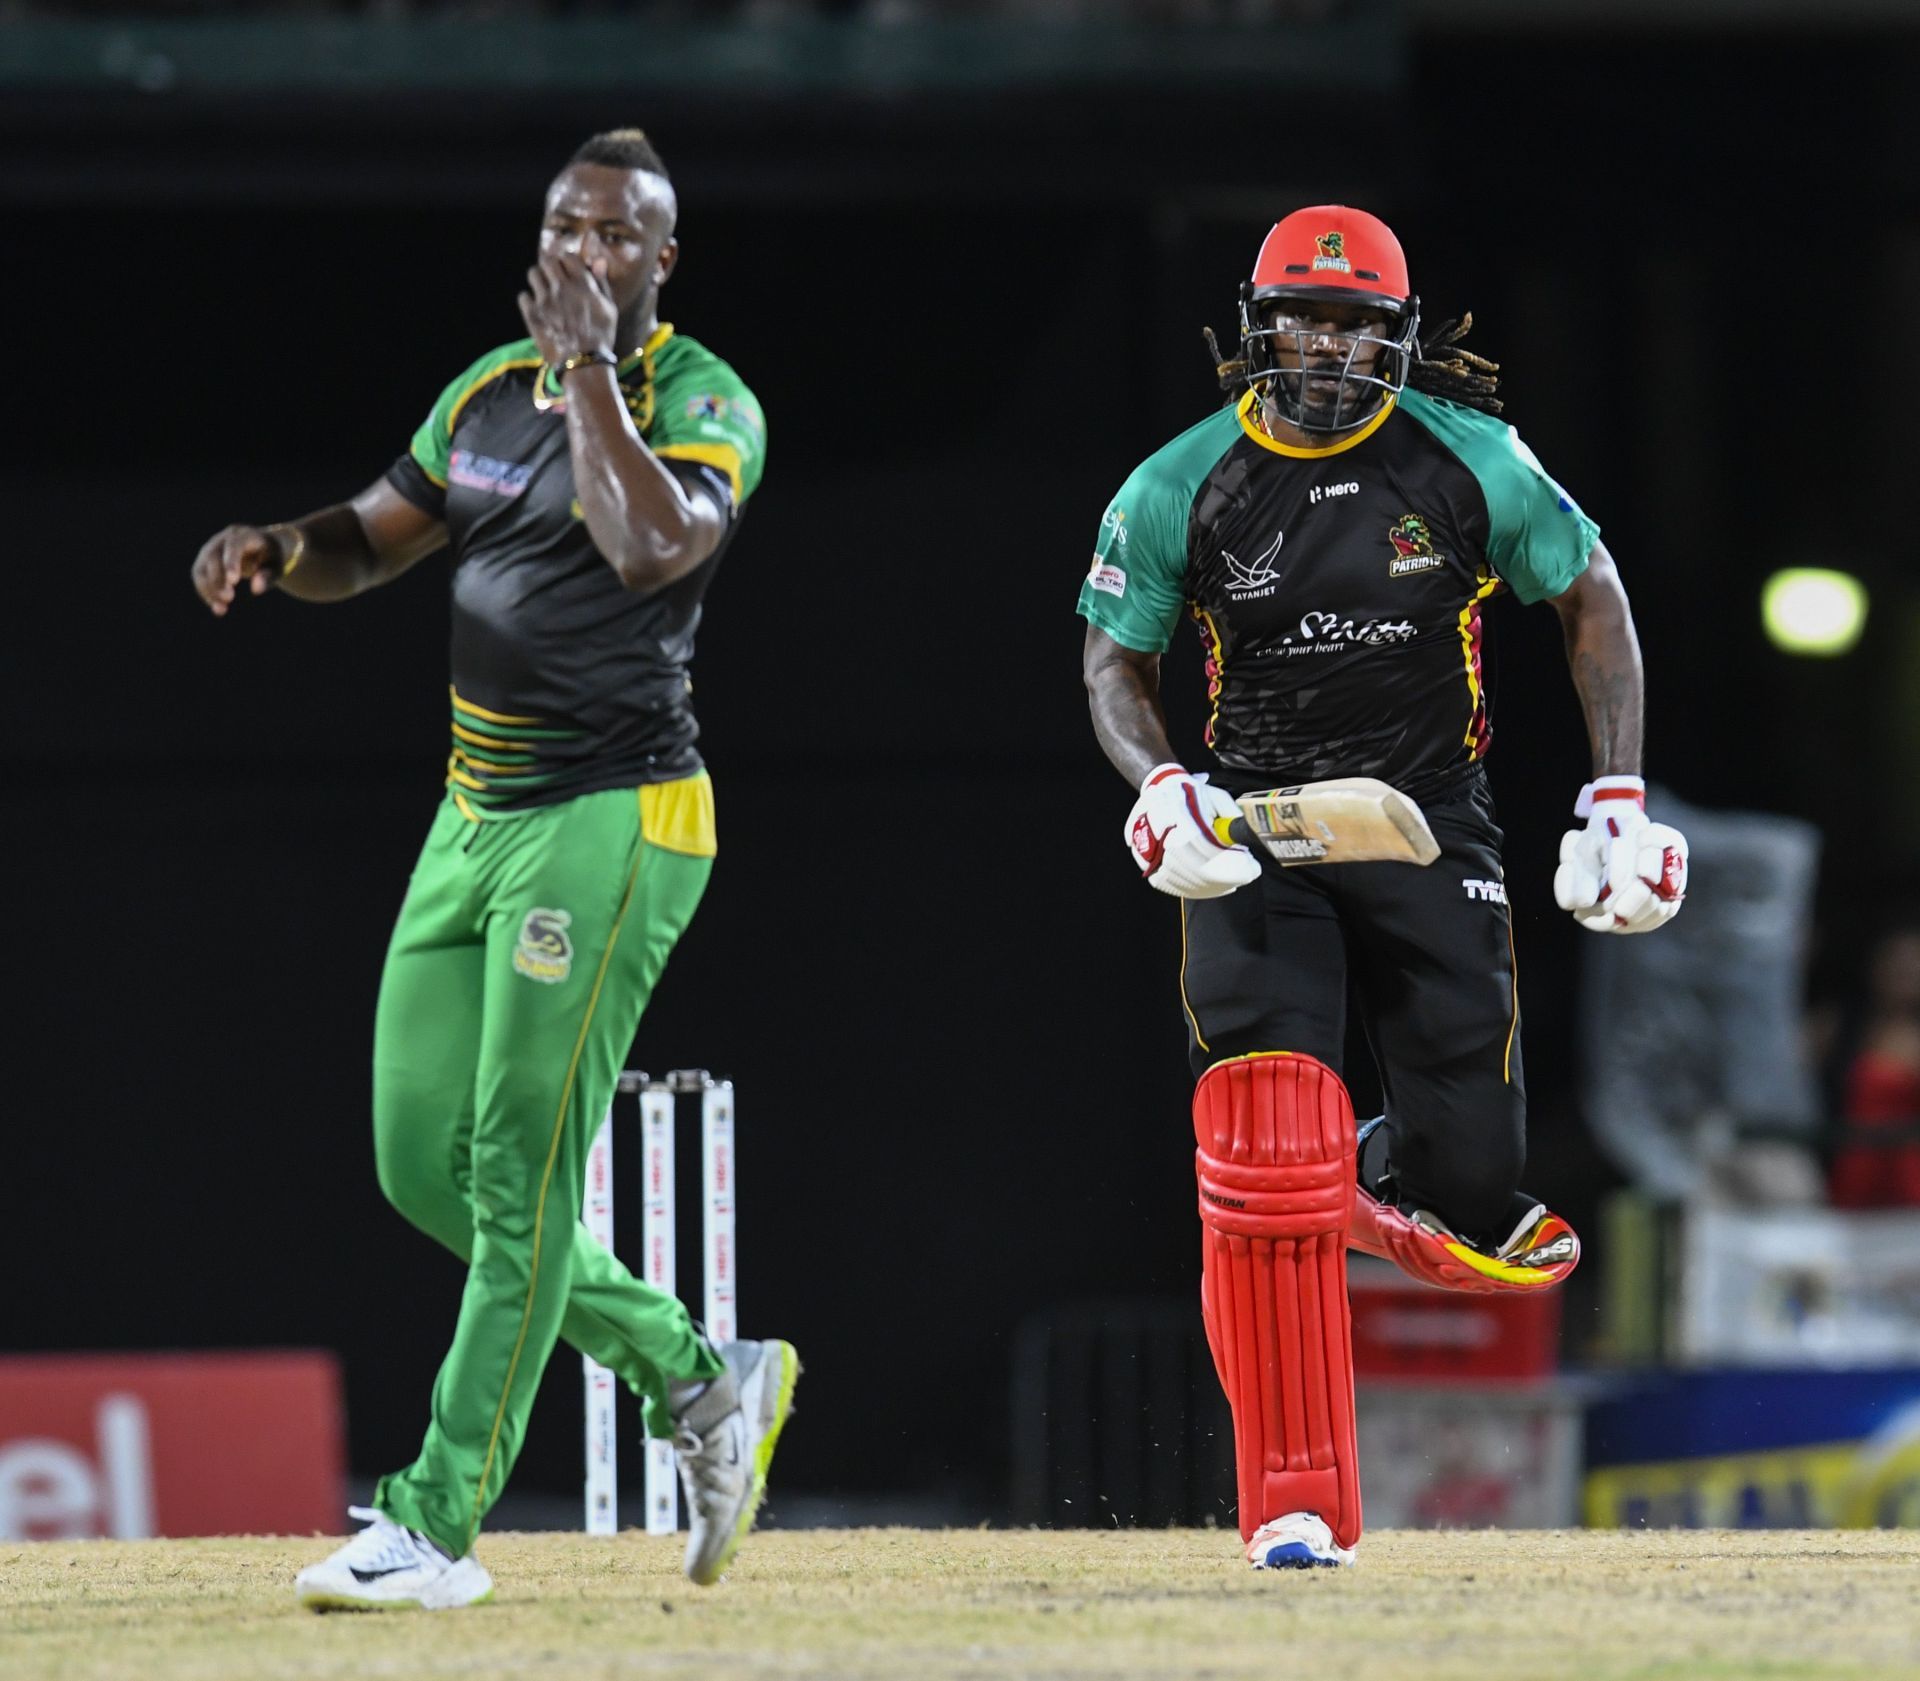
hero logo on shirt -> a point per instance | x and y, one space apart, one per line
544 952
1412 547
1246 579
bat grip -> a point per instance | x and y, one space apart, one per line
1234 831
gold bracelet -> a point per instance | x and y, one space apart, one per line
293 546
588 358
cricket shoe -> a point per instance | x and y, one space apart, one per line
724 1441
388 1568
1538 1252
1298 1541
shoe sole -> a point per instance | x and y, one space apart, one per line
340 1602
790 1369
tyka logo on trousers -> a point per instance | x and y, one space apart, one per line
544 952
1491 892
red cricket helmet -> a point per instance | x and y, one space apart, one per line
1326 255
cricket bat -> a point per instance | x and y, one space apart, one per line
1352 820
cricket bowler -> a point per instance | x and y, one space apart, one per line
585 481
1335 533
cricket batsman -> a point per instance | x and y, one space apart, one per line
585 481
1335 533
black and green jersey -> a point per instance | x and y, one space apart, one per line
1339 590
564 681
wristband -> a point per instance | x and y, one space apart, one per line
293 546
1160 773
1604 788
588 359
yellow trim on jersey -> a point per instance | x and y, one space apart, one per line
466 811
456 774
678 816
488 767
491 717
1192 1019
1217 686
487 378
1488 584
723 456
1295 450
492 741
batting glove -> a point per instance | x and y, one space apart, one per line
1175 833
1620 874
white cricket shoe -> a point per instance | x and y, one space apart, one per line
1298 1541
724 1441
387 1568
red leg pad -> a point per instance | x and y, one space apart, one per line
1276 1165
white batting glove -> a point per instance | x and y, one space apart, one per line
1174 834
1620 874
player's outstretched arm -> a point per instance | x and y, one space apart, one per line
325 556
1621 874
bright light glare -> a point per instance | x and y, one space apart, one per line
1810 610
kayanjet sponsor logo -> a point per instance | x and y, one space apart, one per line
1247 579
1412 548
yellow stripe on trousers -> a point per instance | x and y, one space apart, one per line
546 1176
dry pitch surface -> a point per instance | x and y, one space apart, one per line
920 1605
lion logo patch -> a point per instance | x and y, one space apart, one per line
544 952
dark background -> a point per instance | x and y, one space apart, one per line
947 1002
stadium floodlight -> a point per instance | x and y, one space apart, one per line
1813 610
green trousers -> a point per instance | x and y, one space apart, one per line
528 945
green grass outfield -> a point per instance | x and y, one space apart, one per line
917 1605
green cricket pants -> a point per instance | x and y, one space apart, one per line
526 949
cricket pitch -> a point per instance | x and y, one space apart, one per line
919 1605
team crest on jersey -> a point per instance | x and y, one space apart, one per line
544 952
1257 576
1332 249
711 406
1412 547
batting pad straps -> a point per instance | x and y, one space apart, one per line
1275 1166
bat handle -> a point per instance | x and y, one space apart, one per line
1233 830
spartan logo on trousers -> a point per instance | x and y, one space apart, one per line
543 951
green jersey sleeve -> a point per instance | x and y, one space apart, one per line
432 447
704 412
1539 539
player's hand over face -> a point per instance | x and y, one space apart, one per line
1621 874
242 556
568 308
1173 835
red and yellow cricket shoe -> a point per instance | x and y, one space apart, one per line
1541 1251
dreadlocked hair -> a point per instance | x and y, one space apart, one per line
622 148
1442 369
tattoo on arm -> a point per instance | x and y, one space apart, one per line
1123 693
1603 652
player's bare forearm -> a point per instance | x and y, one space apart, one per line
647 524
1603 652
1123 694
330 555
